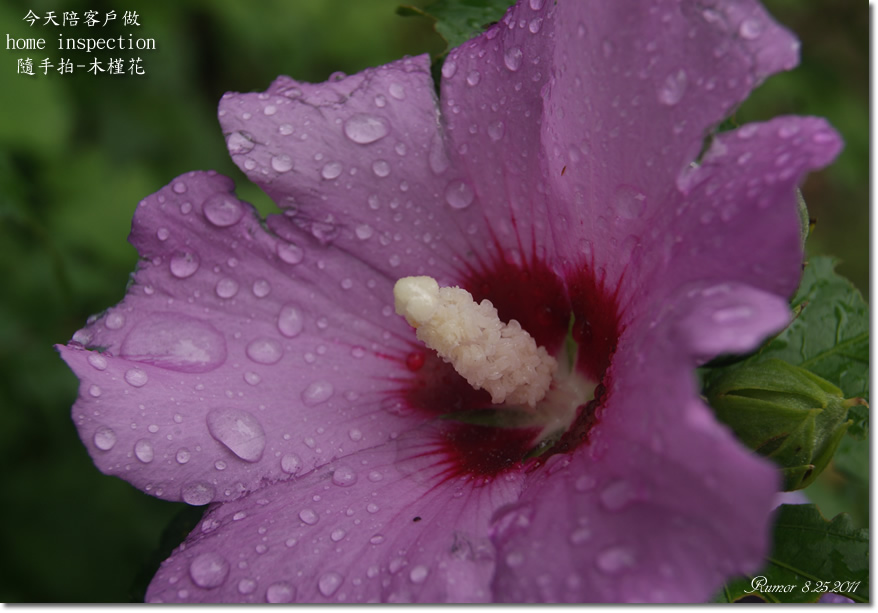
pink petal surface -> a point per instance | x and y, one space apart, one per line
229 361
662 504
384 525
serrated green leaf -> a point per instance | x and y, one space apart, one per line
457 21
810 556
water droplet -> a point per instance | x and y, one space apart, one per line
183 455
184 264
226 288
496 130
618 495
329 583
364 129
733 314
94 391
580 536
285 129
337 534
222 209
372 507
364 231
282 163
355 435
317 392
239 143
309 516
536 4
246 586
290 253
512 59
97 361
459 194
261 288
397 91
615 559
280 592
419 573
179 187
114 321
209 570
291 464
332 170
136 377
238 430
673 87
750 29
449 68
584 483
143 451
175 342
197 493
290 322
473 78
265 351
344 476
381 168
104 438
630 201
535 25
377 539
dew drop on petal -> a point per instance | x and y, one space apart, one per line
209 570
290 322
94 391
226 288
136 377
114 321
239 430
364 232
261 288
364 129
280 592
734 314
316 393
750 29
291 463
496 130
449 68
309 516
104 438
419 573
182 455
332 170
143 451
473 78
282 163
344 476
246 586
671 90
381 168
197 493
615 559
512 59
630 201
618 495
290 253
459 194
97 361
329 583
397 91
184 264
175 342
222 209
239 143
580 536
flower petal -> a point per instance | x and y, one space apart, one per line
383 525
358 161
661 503
229 361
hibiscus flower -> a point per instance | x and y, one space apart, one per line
259 366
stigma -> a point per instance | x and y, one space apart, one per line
501 358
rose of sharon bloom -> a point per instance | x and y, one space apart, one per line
260 366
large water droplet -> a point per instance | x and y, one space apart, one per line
291 463
246 586
238 430
459 194
671 90
182 455
309 516
143 451
512 58
280 592
750 29
290 253
136 377
239 143
184 264
381 168
419 573
261 288
97 361
364 129
630 201
317 392
114 321
282 163
329 583
265 351
397 91
197 493
222 209
104 438
344 476
175 342
290 321
615 559
332 170
226 288
209 570
364 232
449 68
473 78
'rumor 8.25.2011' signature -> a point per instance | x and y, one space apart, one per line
762 585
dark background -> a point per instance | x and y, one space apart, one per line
77 152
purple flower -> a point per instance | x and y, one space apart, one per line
260 367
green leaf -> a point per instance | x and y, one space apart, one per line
810 556
457 21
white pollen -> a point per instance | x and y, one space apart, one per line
500 358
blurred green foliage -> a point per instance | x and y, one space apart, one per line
77 152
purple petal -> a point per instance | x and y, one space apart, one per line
229 361
383 525
663 503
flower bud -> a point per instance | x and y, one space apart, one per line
784 413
